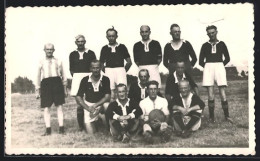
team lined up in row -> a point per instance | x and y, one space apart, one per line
147 55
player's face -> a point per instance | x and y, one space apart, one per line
145 33
212 34
143 76
121 93
180 67
95 69
49 49
152 91
176 33
111 37
80 43
184 88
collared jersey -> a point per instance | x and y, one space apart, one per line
50 68
80 62
94 92
213 53
136 93
191 101
147 54
171 55
114 58
172 87
131 108
147 105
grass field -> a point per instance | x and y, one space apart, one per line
28 125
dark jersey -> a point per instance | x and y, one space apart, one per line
213 53
116 59
150 57
86 88
78 65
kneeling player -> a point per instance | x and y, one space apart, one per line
155 115
187 109
123 115
96 88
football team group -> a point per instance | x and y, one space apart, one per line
137 110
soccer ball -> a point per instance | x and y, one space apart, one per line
156 116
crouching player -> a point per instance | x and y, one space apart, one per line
123 115
187 109
96 88
155 115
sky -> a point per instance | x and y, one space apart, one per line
29 28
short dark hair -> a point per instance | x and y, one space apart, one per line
211 27
121 85
174 25
144 70
153 82
95 61
111 29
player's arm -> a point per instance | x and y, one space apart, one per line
64 79
202 57
192 55
71 65
128 64
159 52
226 55
102 59
166 57
136 55
38 86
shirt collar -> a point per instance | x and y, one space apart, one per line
212 43
146 42
110 46
101 76
176 79
118 102
184 41
140 84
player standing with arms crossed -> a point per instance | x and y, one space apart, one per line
214 70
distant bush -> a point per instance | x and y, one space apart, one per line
22 85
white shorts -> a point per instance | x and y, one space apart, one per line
153 72
77 77
214 72
116 76
87 118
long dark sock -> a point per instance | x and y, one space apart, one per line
211 104
192 122
178 118
225 108
80 117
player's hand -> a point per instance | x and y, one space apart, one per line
187 111
91 109
164 125
121 118
65 93
127 117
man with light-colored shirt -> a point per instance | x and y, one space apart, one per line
112 58
51 87
150 103
148 54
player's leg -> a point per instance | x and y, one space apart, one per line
89 122
211 103
47 120
147 133
116 130
80 117
103 117
60 119
90 127
178 121
224 103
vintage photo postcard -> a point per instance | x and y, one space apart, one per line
150 79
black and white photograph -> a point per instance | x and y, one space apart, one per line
147 79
